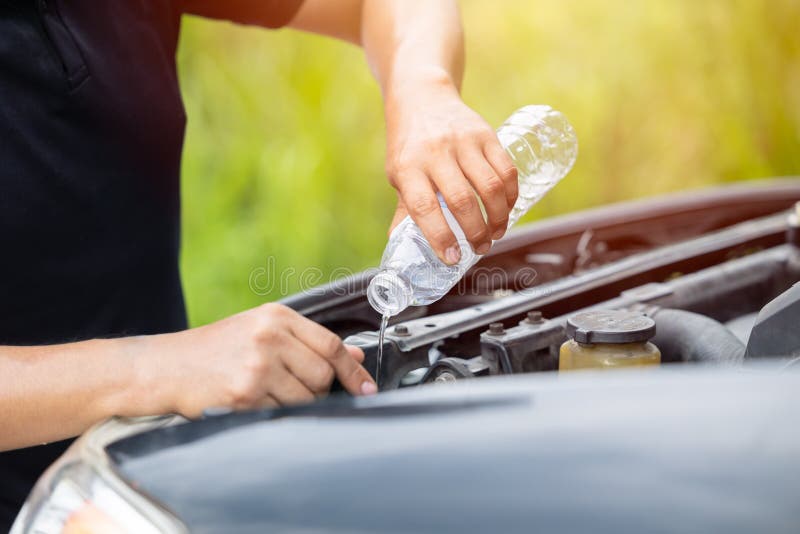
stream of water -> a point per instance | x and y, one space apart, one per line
384 323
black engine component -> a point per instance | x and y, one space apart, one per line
452 369
777 329
684 336
529 347
610 326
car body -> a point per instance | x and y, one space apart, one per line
474 431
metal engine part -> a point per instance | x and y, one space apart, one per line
777 328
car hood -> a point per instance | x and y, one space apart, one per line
681 449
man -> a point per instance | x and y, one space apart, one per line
91 130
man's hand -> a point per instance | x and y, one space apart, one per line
267 356
435 143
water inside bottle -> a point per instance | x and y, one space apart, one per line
381 333
412 258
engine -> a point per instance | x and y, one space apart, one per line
701 278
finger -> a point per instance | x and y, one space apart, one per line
314 371
463 203
420 199
351 374
489 186
503 167
399 214
355 352
288 390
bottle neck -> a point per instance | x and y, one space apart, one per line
389 293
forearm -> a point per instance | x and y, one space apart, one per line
54 392
413 41
404 40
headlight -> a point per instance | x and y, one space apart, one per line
81 494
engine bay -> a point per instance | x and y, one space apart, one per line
701 266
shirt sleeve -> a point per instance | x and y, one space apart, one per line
267 13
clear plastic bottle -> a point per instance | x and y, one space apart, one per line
543 146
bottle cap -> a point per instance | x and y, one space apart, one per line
389 293
610 326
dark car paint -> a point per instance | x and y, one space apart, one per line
671 450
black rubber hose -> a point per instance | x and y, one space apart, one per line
684 336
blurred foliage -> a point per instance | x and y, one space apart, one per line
284 148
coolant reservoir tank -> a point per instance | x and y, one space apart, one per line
608 338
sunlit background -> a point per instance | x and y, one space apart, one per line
284 149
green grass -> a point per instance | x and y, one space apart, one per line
284 148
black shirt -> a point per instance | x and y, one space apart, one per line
91 133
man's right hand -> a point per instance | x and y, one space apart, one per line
267 356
